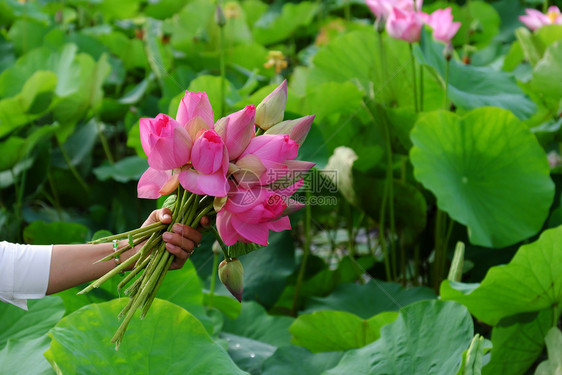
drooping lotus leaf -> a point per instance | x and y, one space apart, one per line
531 282
487 171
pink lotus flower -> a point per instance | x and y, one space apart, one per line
249 214
441 21
237 130
383 8
535 20
404 25
172 145
165 142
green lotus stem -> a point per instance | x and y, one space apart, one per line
390 184
414 77
104 143
416 264
152 294
224 248
135 305
382 53
213 279
132 290
134 272
446 91
421 87
455 271
149 228
121 250
222 70
110 274
306 253
441 245
72 169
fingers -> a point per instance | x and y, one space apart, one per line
205 222
181 243
164 215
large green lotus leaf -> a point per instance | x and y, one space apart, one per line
329 330
212 86
61 62
34 99
356 57
254 322
16 148
125 170
267 269
272 28
168 341
428 337
26 356
183 288
163 9
487 171
188 27
517 342
18 324
254 335
534 44
545 72
531 282
248 354
475 86
369 299
298 360
72 108
42 233
27 34
477 14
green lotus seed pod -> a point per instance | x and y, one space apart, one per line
231 273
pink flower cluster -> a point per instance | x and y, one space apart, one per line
404 19
228 161
535 20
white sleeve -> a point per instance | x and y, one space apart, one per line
24 272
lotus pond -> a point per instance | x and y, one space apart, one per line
429 234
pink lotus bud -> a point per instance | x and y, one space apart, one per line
272 109
404 25
195 104
231 273
296 129
207 153
237 130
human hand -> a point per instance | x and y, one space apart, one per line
182 241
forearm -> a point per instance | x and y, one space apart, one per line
72 265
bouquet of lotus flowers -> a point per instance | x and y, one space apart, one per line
244 176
